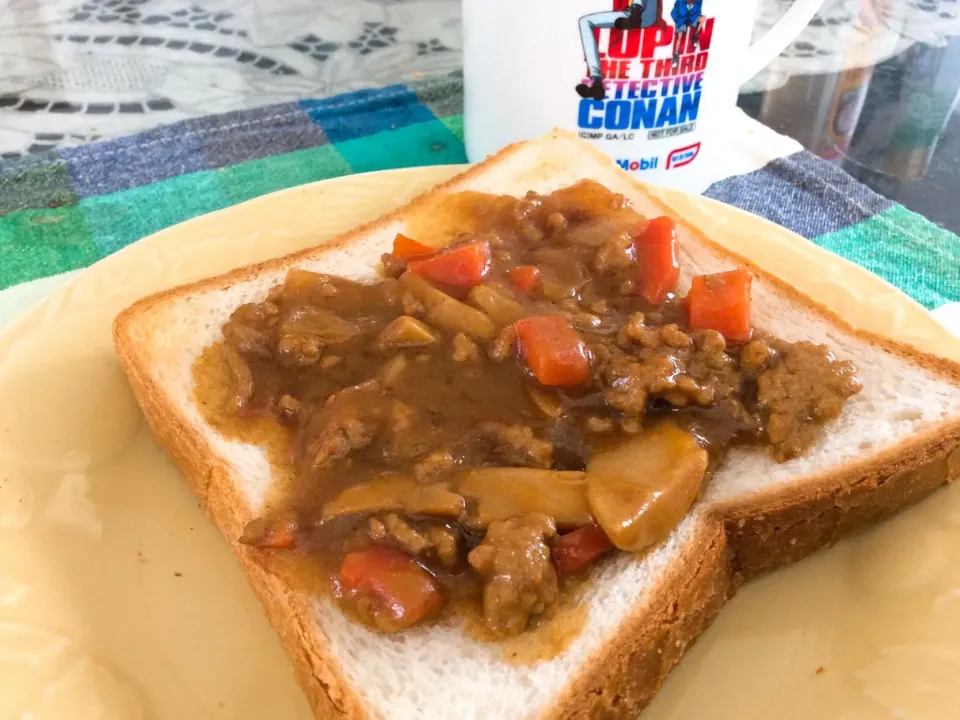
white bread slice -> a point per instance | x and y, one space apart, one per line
895 442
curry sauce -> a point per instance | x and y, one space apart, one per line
484 425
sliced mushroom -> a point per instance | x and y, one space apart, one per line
498 307
549 403
502 493
308 320
640 490
446 312
395 493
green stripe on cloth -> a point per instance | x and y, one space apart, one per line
427 143
906 250
120 218
455 125
253 178
37 243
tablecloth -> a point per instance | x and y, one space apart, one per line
61 211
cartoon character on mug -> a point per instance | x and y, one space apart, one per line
687 18
634 14
688 21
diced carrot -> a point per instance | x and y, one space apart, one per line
406 248
404 591
575 550
525 278
658 260
721 302
463 266
553 350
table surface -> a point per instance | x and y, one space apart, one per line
871 84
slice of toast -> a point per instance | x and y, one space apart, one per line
895 442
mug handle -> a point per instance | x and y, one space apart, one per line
788 28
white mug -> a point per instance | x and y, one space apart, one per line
649 82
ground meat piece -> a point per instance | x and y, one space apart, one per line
516 445
710 366
616 253
464 349
665 362
502 346
806 386
339 437
709 341
405 536
446 545
754 356
631 380
393 266
435 462
521 582
425 541
328 361
556 221
298 350
349 420
585 321
531 233
633 331
674 337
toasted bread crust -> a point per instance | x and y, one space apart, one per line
289 613
626 675
738 540
730 549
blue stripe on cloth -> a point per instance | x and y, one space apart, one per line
367 112
188 146
261 133
129 162
803 193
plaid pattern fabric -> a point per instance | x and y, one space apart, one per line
64 211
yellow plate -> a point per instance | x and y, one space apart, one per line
118 599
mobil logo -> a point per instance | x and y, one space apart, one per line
639 165
682 156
